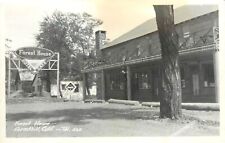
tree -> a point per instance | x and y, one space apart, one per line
170 98
72 35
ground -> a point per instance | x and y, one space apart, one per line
76 119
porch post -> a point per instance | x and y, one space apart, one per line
215 59
215 63
128 83
103 84
84 85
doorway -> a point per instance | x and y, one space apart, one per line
195 79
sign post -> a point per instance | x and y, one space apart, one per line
9 75
58 88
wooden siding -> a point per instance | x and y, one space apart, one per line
193 33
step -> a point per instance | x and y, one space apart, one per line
94 101
126 102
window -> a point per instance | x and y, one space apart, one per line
63 86
189 41
143 80
76 88
182 76
117 82
39 88
208 75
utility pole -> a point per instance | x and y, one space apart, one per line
7 43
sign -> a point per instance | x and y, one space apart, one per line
216 36
34 58
72 90
72 87
34 53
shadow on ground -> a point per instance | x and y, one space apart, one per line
82 116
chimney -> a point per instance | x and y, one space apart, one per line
100 37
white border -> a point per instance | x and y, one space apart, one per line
208 139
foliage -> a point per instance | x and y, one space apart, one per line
72 35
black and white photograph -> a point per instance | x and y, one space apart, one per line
111 68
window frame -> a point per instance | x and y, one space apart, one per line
207 82
139 81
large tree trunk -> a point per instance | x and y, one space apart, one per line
170 98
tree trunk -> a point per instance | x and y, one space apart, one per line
170 97
87 86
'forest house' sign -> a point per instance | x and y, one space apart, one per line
34 58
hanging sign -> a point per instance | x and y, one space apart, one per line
34 58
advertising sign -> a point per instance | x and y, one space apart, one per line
72 90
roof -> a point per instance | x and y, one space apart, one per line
181 14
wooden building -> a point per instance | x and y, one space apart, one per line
130 65
23 81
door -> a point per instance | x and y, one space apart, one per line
195 80
155 84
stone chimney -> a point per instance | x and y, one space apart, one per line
100 37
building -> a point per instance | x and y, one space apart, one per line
31 83
24 80
41 83
131 63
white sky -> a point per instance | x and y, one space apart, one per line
22 17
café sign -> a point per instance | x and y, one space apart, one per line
34 58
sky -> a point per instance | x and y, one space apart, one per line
22 17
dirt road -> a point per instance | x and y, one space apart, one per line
73 119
